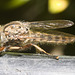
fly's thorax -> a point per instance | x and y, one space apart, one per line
14 31
16 36
17 30
14 40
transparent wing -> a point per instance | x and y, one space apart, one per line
51 24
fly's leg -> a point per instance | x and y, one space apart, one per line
37 51
16 48
2 50
7 49
41 50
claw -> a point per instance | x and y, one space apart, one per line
57 58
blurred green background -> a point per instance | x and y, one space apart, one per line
37 10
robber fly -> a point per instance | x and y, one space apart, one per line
18 35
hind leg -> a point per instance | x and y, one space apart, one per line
41 50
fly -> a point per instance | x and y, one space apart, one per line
18 35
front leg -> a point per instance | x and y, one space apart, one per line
13 48
41 50
19 49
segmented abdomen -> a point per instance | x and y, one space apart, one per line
51 38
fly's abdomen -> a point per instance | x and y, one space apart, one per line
51 38
60 39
